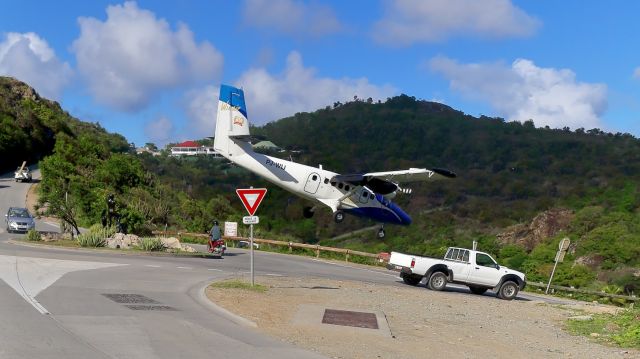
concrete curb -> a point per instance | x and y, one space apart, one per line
198 293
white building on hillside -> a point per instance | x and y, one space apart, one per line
192 148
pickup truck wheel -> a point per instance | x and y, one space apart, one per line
437 281
411 279
477 290
508 290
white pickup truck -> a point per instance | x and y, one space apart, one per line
477 270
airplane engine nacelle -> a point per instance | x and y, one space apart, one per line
391 195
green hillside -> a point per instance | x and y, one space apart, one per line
30 125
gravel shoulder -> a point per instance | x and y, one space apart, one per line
423 323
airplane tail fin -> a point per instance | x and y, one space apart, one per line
232 124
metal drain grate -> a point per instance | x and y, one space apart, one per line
130 298
350 319
151 307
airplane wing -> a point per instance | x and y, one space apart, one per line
387 182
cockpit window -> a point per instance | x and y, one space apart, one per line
314 178
326 180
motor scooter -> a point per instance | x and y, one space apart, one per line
217 247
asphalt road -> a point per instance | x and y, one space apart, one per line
67 303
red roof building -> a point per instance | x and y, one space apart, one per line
188 144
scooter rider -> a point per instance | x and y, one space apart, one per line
214 235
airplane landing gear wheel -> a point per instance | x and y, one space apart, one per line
338 216
381 233
307 212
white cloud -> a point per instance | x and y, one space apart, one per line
298 88
29 58
159 131
524 91
291 17
133 55
201 108
410 21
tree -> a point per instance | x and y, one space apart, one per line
57 192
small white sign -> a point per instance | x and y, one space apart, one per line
230 229
564 244
250 220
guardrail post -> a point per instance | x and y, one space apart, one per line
346 257
317 251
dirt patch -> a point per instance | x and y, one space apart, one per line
423 323
31 202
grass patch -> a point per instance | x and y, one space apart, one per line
238 284
622 329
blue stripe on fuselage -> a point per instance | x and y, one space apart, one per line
390 213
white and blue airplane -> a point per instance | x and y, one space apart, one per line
365 195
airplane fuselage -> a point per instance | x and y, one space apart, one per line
315 184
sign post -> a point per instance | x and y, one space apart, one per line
562 250
251 198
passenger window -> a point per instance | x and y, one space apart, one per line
484 260
454 253
340 185
326 180
333 183
314 178
346 188
466 256
372 196
448 255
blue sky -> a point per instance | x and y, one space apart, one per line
150 70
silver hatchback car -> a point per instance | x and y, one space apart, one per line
19 220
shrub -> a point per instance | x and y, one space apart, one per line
107 232
90 239
151 244
33 235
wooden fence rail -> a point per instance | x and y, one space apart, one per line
317 248
582 291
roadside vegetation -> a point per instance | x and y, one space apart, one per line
33 235
622 329
151 244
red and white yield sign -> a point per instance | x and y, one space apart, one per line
251 198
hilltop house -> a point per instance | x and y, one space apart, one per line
193 148
267 146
